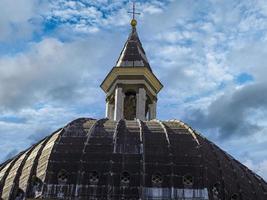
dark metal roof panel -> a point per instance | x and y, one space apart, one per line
133 54
128 159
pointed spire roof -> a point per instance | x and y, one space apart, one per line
133 54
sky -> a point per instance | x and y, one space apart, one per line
210 56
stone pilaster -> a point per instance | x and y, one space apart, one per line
153 110
141 104
109 111
119 104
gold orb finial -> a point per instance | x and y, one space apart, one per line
133 23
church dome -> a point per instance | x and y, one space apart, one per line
129 154
128 159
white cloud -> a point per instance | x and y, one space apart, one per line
19 20
49 71
97 14
197 51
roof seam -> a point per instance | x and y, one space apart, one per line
202 163
36 162
164 129
190 130
115 138
163 125
142 164
83 153
114 143
3 180
19 171
60 133
4 164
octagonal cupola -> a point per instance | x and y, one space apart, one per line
131 87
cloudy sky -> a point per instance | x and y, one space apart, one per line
209 54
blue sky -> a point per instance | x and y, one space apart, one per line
210 56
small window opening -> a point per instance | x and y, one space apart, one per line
93 177
20 195
37 185
188 180
130 105
157 178
216 191
62 177
125 178
234 197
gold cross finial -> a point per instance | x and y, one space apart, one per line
134 22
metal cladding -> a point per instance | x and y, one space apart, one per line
133 54
104 159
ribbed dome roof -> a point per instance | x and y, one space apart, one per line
103 159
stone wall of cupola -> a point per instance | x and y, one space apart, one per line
131 102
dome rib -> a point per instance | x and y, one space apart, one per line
66 158
9 165
203 164
111 174
200 161
191 130
131 159
123 164
142 160
170 154
15 186
36 162
44 162
126 157
98 133
12 176
195 136
156 151
82 159
165 131
196 156
4 164
115 135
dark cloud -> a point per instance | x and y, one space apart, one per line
229 114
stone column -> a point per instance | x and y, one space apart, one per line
109 111
111 114
119 101
141 104
153 110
